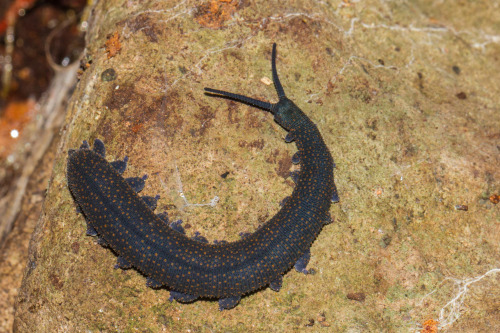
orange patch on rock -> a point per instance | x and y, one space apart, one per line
495 198
136 128
214 13
113 45
430 326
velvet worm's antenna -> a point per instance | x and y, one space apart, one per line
251 101
240 98
276 80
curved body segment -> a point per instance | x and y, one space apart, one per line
192 267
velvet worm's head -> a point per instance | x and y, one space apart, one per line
286 113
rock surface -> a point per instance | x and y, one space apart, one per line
406 96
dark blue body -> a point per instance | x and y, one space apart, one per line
133 230
191 267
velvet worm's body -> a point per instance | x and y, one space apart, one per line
192 267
